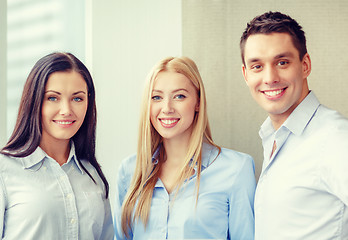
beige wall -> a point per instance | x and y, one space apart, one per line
211 33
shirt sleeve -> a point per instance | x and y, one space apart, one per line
241 206
2 207
108 228
121 191
334 171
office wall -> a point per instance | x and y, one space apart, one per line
128 38
217 27
3 71
124 39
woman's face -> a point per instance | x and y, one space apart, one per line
64 106
173 105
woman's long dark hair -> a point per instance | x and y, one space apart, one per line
27 133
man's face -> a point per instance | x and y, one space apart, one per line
275 75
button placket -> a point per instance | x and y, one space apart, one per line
69 201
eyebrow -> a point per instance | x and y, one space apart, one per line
281 55
176 90
58 93
286 54
252 60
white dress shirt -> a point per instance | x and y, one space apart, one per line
302 192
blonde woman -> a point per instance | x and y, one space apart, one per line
180 184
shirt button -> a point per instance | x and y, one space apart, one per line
73 220
69 196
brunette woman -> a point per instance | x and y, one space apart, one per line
51 185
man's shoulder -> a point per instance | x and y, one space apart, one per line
328 125
330 119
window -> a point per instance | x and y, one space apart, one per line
36 28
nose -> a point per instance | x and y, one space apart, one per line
167 107
65 108
270 75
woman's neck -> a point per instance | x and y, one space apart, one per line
176 151
58 150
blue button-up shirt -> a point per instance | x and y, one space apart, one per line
225 204
302 192
39 199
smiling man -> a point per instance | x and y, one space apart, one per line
302 192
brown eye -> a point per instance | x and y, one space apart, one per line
282 63
256 67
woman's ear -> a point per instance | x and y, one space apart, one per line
197 107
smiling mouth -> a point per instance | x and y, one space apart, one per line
64 122
274 93
168 123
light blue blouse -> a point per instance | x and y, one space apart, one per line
41 200
225 204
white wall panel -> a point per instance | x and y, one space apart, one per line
129 37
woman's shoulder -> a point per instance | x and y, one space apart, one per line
127 166
7 161
231 169
238 156
230 159
3 160
4 156
226 154
237 159
128 162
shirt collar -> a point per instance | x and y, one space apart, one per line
39 155
207 151
303 113
73 157
298 119
33 159
155 156
209 154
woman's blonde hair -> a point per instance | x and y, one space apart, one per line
146 173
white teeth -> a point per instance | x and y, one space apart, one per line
273 93
64 122
167 121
